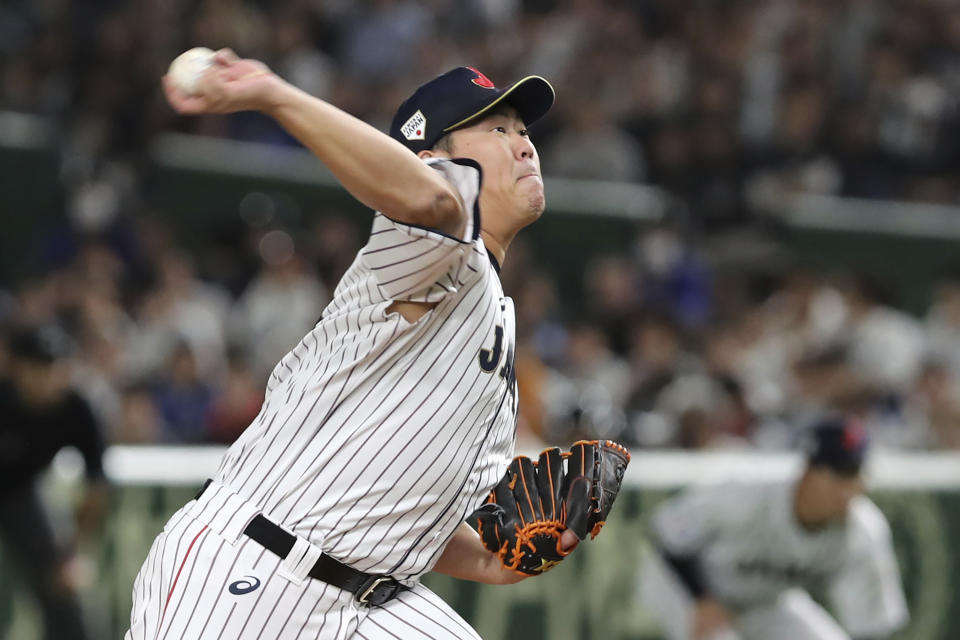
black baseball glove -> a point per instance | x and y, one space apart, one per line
535 502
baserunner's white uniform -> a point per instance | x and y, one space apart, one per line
760 564
376 438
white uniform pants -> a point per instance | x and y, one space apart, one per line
202 581
794 615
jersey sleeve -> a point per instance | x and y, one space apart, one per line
420 264
866 593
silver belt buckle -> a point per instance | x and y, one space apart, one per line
363 598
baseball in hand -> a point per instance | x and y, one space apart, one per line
187 68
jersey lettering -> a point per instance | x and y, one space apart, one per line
507 371
509 374
787 572
489 359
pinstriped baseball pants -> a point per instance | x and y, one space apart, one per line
195 584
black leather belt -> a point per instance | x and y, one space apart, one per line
368 588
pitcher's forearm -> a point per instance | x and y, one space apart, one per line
466 558
375 168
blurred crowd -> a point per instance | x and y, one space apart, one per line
710 100
668 353
661 351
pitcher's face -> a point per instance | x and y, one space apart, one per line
512 181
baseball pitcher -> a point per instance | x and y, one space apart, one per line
394 418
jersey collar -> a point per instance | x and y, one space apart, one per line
493 261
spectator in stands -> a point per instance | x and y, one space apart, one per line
592 146
700 412
334 244
885 344
381 37
585 396
299 60
183 398
140 420
935 406
198 311
237 403
613 290
675 280
281 303
943 323
656 358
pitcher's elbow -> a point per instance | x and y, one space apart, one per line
441 210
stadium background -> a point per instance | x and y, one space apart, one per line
752 215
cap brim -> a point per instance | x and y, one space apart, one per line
532 97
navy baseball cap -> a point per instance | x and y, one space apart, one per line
838 443
455 98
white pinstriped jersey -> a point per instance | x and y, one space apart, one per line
751 549
378 436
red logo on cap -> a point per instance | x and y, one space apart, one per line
853 435
481 80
